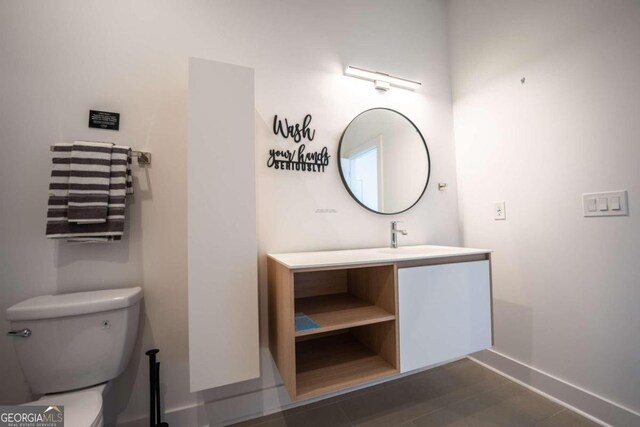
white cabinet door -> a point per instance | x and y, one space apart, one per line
445 312
222 242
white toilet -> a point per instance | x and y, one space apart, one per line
69 346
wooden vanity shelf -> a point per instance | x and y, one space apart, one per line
344 359
339 311
357 340
340 299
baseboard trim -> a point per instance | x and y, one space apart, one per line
596 408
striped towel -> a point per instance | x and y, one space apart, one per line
120 184
89 176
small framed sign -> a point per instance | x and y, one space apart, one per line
104 120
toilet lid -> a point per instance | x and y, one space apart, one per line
81 408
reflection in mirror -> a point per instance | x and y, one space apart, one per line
384 161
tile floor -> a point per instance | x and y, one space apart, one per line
459 394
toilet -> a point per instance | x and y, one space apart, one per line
70 346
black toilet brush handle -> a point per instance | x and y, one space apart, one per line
153 385
158 411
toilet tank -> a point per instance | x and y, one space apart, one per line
76 340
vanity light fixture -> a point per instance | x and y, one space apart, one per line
381 81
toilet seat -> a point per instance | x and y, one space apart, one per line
82 408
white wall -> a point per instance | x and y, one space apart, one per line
566 288
60 58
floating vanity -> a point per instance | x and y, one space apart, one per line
379 312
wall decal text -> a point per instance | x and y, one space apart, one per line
296 131
298 158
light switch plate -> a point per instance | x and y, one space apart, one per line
609 203
499 211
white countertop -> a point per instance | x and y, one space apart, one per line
369 256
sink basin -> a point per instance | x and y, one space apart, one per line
410 250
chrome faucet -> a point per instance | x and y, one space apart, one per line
394 233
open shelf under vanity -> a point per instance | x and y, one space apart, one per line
357 337
342 359
339 311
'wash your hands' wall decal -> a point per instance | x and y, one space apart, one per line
297 159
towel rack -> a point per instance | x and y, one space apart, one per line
144 157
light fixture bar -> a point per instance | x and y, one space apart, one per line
376 76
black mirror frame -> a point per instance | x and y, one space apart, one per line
345 182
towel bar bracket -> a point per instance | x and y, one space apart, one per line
144 157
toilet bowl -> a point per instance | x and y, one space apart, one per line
82 408
70 346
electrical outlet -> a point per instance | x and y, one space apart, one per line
499 211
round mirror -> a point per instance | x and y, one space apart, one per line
384 161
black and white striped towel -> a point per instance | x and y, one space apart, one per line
119 183
89 176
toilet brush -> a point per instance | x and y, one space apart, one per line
158 410
155 413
